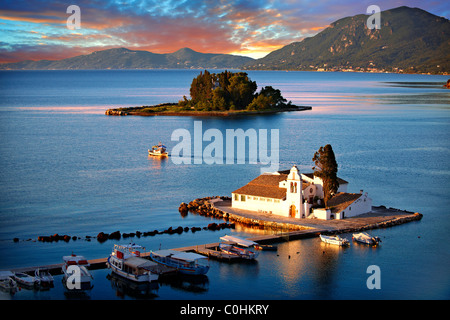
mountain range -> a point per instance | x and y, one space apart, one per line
122 58
409 40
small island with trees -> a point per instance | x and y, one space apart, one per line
223 94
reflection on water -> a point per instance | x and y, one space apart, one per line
197 284
309 266
126 288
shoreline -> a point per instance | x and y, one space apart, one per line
136 112
379 217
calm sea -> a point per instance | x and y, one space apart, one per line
67 168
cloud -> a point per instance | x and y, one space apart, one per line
246 27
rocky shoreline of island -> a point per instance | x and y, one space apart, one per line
169 110
220 208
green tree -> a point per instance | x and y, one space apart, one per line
230 91
275 95
241 90
326 168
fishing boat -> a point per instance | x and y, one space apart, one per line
184 262
365 238
7 283
25 280
158 150
335 240
245 249
43 277
126 261
76 275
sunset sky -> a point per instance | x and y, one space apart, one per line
37 29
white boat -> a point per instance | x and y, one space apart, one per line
184 262
158 150
25 280
335 240
76 275
43 277
365 238
245 249
7 283
125 261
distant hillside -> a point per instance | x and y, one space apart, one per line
122 58
410 40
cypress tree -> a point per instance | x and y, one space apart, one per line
326 168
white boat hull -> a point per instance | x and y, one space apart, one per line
366 239
334 240
147 277
239 252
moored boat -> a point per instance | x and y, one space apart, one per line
7 283
245 249
126 261
158 150
335 240
43 277
365 238
25 280
76 275
184 262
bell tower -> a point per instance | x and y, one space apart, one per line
294 199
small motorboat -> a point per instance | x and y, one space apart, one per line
76 275
158 150
365 238
126 261
25 280
184 262
245 249
43 277
7 283
266 247
335 240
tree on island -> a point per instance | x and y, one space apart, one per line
230 91
326 168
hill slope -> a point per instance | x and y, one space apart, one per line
122 58
410 39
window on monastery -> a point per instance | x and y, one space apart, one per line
242 198
236 197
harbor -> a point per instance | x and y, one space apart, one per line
379 217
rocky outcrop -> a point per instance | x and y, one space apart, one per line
447 85
114 112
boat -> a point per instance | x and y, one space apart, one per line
184 262
76 275
266 247
158 150
7 283
335 240
126 261
43 277
365 238
25 280
245 249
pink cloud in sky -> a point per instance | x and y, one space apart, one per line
37 29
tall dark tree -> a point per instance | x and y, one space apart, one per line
326 168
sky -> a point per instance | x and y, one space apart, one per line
37 29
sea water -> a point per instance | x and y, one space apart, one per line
69 169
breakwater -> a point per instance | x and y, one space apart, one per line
117 235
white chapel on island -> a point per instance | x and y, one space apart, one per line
293 194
